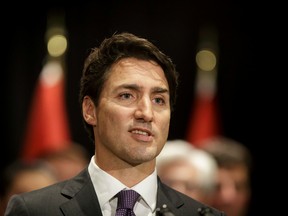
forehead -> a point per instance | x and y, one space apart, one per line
140 70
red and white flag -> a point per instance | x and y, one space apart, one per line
47 127
204 120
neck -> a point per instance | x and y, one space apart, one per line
126 173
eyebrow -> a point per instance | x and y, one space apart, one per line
138 88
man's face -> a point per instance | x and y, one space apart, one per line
182 176
133 115
233 190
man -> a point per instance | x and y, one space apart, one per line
21 176
187 169
67 162
127 92
233 193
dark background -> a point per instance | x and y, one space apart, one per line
249 104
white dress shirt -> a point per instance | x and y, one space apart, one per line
106 187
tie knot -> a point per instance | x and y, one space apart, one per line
127 199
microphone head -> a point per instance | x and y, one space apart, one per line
164 211
205 211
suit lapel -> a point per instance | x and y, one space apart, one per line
175 202
169 198
83 199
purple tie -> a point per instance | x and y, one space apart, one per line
126 202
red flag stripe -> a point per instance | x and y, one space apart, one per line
47 128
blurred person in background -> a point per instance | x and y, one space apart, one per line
49 168
234 160
187 169
21 177
69 161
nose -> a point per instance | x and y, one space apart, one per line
229 192
144 109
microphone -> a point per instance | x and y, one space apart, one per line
205 212
164 211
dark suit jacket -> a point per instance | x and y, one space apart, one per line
76 197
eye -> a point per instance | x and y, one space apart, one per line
125 96
159 100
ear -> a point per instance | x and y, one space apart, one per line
89 111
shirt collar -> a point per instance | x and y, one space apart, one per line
106 186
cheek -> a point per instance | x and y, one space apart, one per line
165 123
110 116
107 119
163 130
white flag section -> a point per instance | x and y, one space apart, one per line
47 126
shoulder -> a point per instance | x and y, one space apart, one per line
43 201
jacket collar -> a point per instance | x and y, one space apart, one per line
82 198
